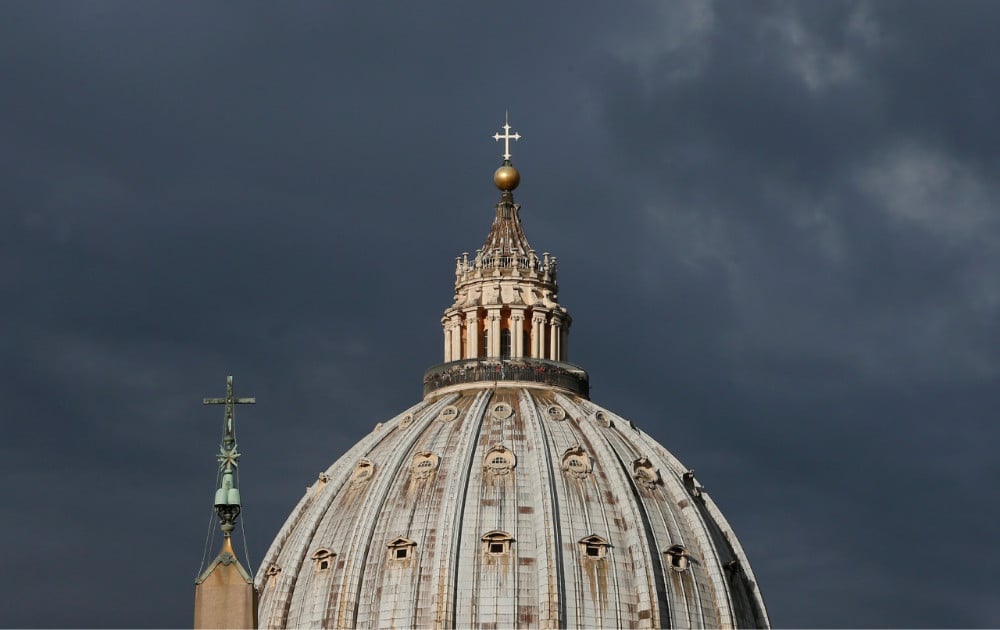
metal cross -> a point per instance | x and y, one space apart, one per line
229 401
507 136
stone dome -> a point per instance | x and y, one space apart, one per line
506 498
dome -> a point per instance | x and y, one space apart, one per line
506 497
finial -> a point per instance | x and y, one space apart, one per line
506 177
227 496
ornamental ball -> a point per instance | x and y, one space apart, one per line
506 177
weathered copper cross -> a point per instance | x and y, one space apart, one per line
506 137
229 401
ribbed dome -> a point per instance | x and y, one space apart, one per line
506 498
501 506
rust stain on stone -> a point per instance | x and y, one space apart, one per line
525 562
525 509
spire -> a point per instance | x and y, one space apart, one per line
227 496
224 596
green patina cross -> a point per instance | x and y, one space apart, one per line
229 401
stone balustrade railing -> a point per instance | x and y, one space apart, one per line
563 375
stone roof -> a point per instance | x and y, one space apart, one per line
510 505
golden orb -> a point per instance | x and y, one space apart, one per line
506 177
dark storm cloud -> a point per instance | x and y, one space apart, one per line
790 205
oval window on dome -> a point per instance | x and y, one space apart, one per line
602 419
424 464
363 471
576 462
448 414
502 411
406 420
499 460
555 413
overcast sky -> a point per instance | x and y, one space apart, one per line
777 228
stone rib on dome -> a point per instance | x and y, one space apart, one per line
548 470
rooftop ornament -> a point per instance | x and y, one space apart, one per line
227 496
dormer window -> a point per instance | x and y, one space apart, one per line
594 547
401 549
496 543
323 559
678 558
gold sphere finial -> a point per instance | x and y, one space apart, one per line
506 177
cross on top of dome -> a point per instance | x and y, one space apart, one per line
506 137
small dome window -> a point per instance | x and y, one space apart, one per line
323 558
497 543
401 549
406 421
500 460
576 462
424 464
594 547
678 558
272 573
602 419
448 414
555 413
363 471
502 411
645 473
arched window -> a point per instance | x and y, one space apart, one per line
505 344
678 558
323 558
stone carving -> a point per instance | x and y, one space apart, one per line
576 463
499 460
424 464
363 471
645 473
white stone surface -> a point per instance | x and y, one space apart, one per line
545 578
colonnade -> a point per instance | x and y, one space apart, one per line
478 332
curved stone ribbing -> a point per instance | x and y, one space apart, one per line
527 508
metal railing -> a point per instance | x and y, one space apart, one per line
555 373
